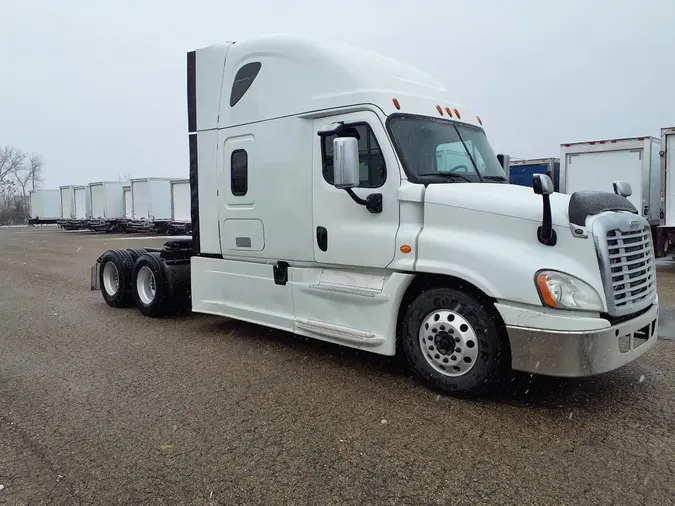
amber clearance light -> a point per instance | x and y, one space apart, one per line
545 292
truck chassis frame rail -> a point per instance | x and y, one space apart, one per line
109 226
147 226
72 224
43 221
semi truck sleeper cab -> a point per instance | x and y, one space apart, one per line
341 195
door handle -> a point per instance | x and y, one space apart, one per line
322 238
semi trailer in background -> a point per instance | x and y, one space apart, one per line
666 230
520 172
45 206
324 210
107 206
128 208
595 165
150 205
75 207
180 207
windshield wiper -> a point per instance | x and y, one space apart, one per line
447 175
495 178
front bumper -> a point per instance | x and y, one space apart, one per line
582 353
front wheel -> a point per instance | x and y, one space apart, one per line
453 342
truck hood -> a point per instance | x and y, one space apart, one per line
504 199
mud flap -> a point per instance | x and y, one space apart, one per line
95 280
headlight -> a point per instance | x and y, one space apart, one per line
562 291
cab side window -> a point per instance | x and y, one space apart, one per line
239 172
371 160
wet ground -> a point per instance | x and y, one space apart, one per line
104 406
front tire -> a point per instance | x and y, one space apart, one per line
454 342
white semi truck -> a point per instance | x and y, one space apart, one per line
343 196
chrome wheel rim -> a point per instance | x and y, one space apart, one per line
145 284
448 342
111 278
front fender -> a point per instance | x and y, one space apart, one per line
500 254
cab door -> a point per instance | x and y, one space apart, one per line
346 233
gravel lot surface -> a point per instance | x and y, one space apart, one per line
104 406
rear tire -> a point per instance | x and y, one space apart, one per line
454 343
136 253
149 288
115 278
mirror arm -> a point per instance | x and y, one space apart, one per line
373 202
545 232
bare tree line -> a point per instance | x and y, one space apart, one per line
20 172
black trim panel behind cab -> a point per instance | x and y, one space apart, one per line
194 193
192 91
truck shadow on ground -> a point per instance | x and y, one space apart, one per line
601 392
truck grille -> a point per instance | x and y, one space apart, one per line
631 279
623 244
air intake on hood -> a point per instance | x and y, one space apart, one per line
587 203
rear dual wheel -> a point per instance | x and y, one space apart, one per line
149 287
115 277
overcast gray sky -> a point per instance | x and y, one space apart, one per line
98 88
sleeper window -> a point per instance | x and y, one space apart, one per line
373 171
239 172
243 81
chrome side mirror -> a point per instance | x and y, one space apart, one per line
542 184
346 172
622 188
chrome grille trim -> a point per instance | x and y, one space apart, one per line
623 243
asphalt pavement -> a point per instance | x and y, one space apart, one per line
104 406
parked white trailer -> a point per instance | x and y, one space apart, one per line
180 200
82 202
45 206
150 204
151 199
666 230
128 211
73 207
107 206
322 209
595 165
67 202
180 206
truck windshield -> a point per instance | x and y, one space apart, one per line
435 150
